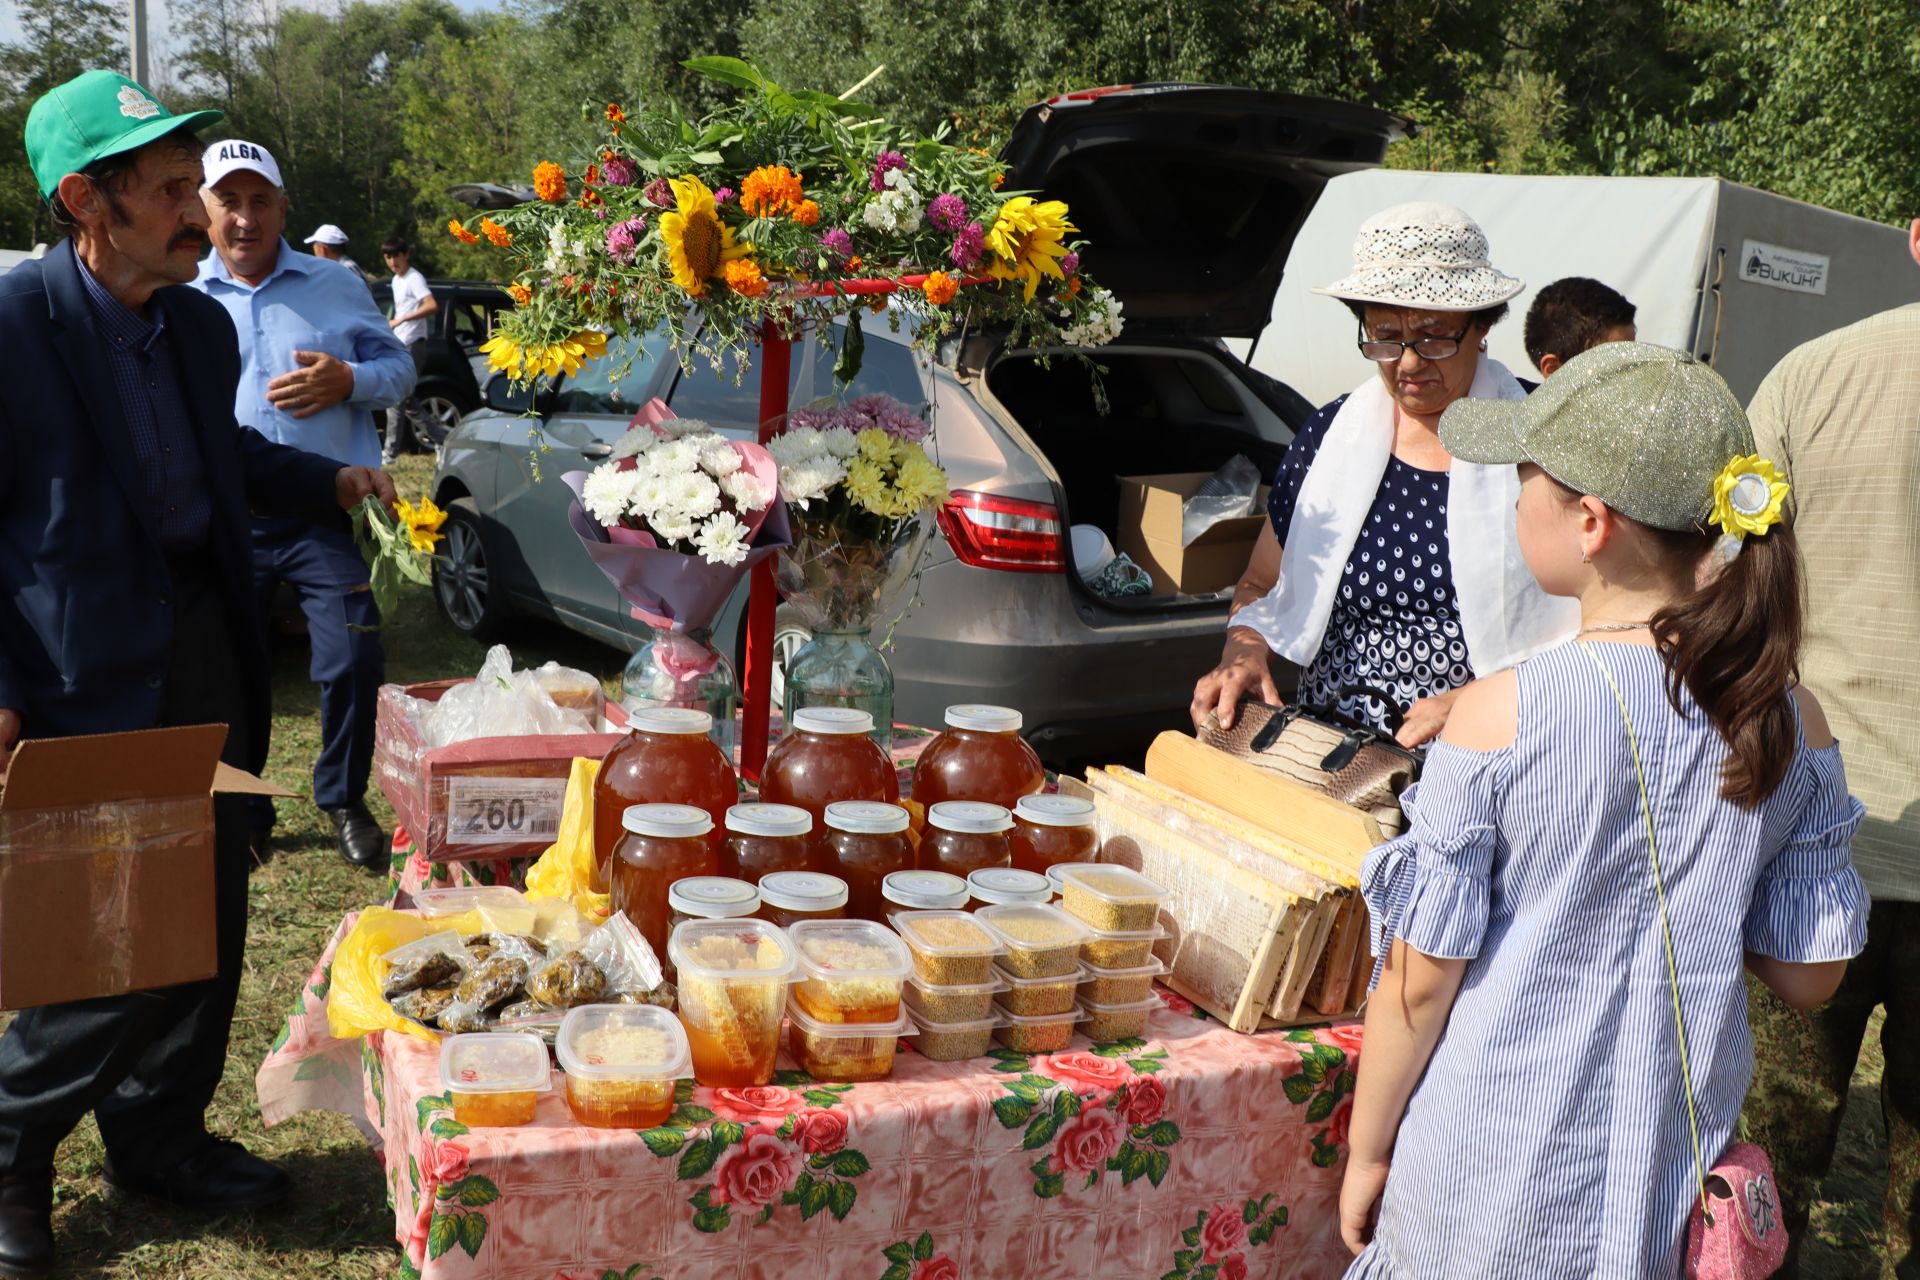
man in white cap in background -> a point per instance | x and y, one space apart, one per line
329 242
317 359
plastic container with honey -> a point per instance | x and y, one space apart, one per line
965 1002
733 989
865 842
765 838
1048 1034
979 756
1120 986
849 970
663 843
964 836
495 1079
1106 1022
1039 997
1120 949
953 1041
924 891
1041 942
788 897
621 1062
667 758
827 756
949 948
1051 830
996 886
1111 898
844 1052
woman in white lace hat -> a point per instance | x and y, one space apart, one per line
1385 562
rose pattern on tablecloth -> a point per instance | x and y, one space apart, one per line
1178 1003
449 1195
761 1148
1324 1080
1101 1111
1215 1247
916 1260
638 1271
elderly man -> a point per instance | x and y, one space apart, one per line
330 242
126 602
316 360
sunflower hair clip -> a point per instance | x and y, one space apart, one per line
1749 497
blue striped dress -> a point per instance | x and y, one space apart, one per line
1549 1135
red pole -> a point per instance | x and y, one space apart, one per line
776 363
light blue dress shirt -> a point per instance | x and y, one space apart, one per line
310 304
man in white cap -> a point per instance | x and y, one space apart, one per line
329 242
317 359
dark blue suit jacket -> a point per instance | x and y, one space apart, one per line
85 603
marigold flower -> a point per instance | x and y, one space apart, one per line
771 189
806 213
493 231
461 234
520 294
589 198
615 117
939 288
743 277
592 176
550 182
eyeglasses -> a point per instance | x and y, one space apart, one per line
1386 351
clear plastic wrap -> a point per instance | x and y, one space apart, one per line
1227 494
503 703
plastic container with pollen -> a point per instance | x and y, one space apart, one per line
1049 831
1107 1022
1046 1034
1120 949
827 756
846 1052
979 756
495 1079
1041 942
788 897
949 948
667 758
997 886
621 1062
1039 997
850 971
1110 898
762 839
964 836
953 1041
960 1002
1119 986
663 843
864 843
732 991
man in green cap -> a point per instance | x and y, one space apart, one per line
126 602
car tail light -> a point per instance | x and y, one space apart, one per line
991 532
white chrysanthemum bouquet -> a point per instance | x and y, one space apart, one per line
686 488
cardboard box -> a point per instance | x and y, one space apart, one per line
1149 532
106 862
483 798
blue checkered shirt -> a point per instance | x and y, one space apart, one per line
146 378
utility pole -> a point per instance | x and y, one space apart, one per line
137 59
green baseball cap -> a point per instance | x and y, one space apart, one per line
1645 429
94 115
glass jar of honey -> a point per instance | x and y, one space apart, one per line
1049 830
980 756
764 838
965 835
923 891
864 843
828 756
663 843
787 897
666 758
997 886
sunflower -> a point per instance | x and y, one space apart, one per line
1026 241
523 361
698 244
422 523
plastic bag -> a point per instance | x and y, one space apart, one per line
1227 494
437 960
354 1003
624 956
566 870
501 702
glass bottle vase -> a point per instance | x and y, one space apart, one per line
842 669
683 669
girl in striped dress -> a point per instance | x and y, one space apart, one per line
1520 1109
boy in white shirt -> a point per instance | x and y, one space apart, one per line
413 302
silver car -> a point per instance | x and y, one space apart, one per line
1190 197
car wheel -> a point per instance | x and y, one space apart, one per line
440 413
463 575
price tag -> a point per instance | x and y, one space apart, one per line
504 810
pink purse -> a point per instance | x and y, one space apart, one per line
1734 1231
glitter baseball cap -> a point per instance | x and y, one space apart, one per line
1645 429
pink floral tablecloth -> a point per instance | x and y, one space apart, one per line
1193 1153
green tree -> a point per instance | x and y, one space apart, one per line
58 40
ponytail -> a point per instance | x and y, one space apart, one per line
1734 644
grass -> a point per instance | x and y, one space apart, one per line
338 1224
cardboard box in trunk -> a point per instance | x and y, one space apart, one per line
1149 532
483 798
106 862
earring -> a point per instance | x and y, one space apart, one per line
1483 346
1585 558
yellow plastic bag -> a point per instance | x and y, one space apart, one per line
566 869
354 1003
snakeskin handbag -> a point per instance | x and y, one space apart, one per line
1319 747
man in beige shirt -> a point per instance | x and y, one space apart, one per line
1841 415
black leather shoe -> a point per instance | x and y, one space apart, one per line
26 1225
218 1177
362 842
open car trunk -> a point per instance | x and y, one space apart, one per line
1170 409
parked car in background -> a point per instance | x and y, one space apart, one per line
1001 615
455 371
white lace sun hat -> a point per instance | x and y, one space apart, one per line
1424 255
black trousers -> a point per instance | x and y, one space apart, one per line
146 1063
